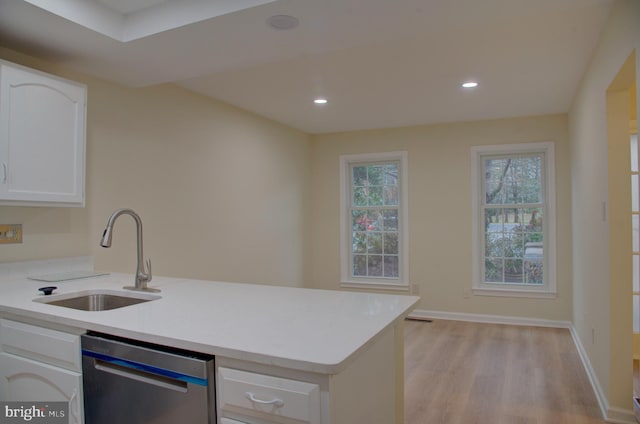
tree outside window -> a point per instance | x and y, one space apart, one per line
512 205
513 219
374 220
373 203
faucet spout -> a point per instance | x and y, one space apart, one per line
142 276
106 237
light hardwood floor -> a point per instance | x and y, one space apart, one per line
464 373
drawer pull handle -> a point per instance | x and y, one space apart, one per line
278 403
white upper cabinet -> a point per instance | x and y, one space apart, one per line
42 138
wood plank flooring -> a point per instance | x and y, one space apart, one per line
469 373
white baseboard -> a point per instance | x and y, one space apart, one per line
603 402
610 414
487 319
620 416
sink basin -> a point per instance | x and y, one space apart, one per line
97 300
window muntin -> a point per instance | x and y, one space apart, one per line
513 208
513 219
374 220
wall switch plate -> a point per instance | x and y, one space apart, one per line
11 233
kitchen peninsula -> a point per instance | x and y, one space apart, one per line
349 345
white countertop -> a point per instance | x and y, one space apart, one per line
309 330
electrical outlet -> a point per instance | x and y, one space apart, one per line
415 289
10 233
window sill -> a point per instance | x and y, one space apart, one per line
375 286
506 292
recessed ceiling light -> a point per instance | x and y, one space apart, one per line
320 101
282 22
470 84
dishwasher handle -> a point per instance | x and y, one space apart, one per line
145 368
140 375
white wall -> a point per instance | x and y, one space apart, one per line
440 209
222 192
602 324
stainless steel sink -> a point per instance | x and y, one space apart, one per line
96 300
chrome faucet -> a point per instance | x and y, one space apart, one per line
142 277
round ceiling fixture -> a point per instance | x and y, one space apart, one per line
469 84
320 101
282 22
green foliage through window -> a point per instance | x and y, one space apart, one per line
374 220
514 219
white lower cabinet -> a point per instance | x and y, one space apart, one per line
267 398
40 365
366 390
25 380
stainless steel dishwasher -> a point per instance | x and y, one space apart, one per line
130 382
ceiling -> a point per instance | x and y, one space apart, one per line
379 63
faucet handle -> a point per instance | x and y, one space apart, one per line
149 274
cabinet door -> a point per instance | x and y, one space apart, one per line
25 380
42 138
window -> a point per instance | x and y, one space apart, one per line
514 220
373 220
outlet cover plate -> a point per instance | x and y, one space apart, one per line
10 233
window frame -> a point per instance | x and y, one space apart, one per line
479 287
347 280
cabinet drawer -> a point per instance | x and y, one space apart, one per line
268 397
42 344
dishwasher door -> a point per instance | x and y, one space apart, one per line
135 383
